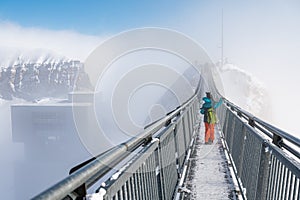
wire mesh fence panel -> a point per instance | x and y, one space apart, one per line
191 122
251 160
180 142
225 126
134 181
229 134
167 163
283 182
186 130
238 144
221 114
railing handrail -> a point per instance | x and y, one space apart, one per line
266 169
98 167
277 134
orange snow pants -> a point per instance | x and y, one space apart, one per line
209 132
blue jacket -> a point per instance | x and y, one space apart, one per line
205 106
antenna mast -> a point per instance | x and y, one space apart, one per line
222 57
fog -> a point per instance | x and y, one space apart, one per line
261 38
28 168
17 42
42 144
131 91
10 153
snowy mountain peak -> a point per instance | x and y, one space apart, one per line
12 57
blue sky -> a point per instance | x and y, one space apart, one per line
93 17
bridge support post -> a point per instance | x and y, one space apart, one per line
251 122
277 140
263 175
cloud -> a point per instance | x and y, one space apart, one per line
15 39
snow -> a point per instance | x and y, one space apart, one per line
245 90
11 57
154 140
96 196
208 177
116 175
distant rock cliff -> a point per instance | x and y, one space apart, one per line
42 77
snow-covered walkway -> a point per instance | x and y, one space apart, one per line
209 177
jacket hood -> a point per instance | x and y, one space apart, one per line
206 100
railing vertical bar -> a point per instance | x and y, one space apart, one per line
136 186
154 177
291 186
274 165
276 178
298 198
149 182
149 178
278 181
118 196
123 192
283 183
270 177
288 179
139 184
131 188
127 190
144 190
296 187
158 174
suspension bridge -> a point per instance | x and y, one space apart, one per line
250 159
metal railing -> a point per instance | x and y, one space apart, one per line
266 159
158 157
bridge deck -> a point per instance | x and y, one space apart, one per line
209 177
